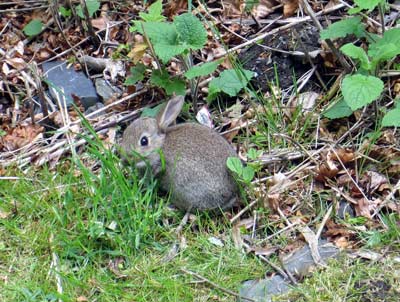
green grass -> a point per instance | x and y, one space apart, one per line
351 280
93 221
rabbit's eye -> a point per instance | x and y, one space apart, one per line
144 141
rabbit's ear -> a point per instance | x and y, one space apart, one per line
170 112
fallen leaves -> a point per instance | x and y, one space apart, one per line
20 136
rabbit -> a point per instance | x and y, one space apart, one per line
195 156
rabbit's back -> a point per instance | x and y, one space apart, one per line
196 171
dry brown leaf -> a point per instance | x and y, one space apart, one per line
366 207
290 7
137 52
82 299
100 23
345 155
21 136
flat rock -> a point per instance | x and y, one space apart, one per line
66 81
300 263
264 289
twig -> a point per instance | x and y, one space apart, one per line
215 285
323 222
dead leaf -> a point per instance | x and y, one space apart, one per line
289 7
21 136
365 207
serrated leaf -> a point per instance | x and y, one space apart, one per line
358 53
137 74
235 165
230 82
170 85
360 90
202 70
343 28
92 6
339 110
390 37
191 31
154 13
164 38
33 28
248 174
367 4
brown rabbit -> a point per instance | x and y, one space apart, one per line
195 159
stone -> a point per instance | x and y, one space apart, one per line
66 81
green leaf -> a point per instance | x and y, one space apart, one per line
151 112
235 165
33 28
367 4
92 6
191 31
248 174
343 28
137 74
230 81
170 85
358 53
392 117
254 153
202 70
360 90
386 47
66 13
154 13
338 110
164 38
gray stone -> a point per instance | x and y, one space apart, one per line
300 263
94 108
105 91
263 290
66 81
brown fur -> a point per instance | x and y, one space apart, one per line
195 157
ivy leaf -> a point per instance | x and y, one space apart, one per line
230 81
33 28
358 53
392 117
137 74
235 165
165 40
202 70
170 85
92 6
154 13
338 110
360 90
191 31
343 28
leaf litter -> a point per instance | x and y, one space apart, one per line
287 177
